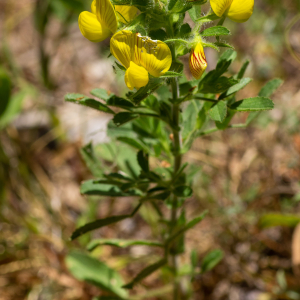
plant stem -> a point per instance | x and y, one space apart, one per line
177 164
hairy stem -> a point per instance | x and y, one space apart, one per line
177 164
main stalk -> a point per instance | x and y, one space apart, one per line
177 164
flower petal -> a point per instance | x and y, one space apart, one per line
136 76
106 15
240 11
220 6
154 56
93 7
197 62
122 46
91 28
125 13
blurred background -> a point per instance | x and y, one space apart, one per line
249 179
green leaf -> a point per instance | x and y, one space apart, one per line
94 165
187 87
189 118
124 117
101 94
270 87
119 177
171 74
159 196
85 101
122 243
211 260
158 34
87 268
97 224
180 6
215 31
183 191
120 102
243 69
172 4
146 272
186 227
102 222
14 106
253 104
93 187
143 161
120 67
147 90
227 56
208 18
225 61
277 219
235 88
224 124
194 258
185 30
5 90
132 142
218 111
216 86
201 118
210 45
195 13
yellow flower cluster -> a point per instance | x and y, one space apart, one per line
140 55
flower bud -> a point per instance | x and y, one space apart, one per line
197 61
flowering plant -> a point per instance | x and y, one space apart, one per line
162 114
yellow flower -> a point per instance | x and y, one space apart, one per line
237 10
99 24
140 55
197 61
